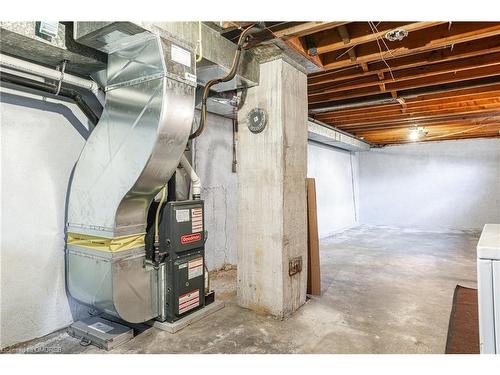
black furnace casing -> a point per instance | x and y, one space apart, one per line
182 240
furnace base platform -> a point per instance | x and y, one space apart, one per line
187 320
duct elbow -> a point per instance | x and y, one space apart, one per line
195 179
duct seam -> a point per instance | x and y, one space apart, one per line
152 77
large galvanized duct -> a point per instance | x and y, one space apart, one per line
131 154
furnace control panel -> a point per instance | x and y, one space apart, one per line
182 226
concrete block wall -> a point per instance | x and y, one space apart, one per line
433 185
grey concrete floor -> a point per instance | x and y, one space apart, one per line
385 290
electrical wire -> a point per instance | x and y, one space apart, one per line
346 51
380 51
375 31
381 39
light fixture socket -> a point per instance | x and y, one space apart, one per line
396 35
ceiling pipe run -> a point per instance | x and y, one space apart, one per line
352 105
42 71
52 89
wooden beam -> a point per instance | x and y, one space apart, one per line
296 45
306 28
344 34
418 44
442 125
488 123
409 74
326 46
434 133
411 108
463 50
388 134
457 96
408 83
352 54
394 111
444 121
230 24
462 109
456 89
409 120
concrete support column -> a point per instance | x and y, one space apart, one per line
272 217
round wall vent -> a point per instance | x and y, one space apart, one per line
257 120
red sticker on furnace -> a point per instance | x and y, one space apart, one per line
188 238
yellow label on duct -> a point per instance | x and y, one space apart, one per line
106 244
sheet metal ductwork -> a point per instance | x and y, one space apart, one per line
128 158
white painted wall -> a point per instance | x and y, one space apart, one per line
452 184
336 174
213 162
40 143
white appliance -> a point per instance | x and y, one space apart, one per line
488 284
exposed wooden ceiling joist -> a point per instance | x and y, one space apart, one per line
411 111
469 120
419 41
328 43
420 77
416 83
428 58
410 120
306 28
415 104
443 76
297 45
434 133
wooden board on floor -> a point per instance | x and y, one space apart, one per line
463 330
313 264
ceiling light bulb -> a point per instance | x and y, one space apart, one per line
414 134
